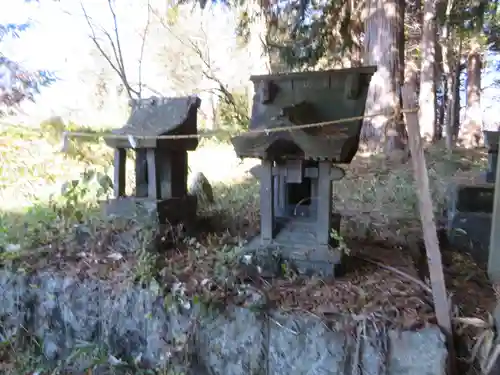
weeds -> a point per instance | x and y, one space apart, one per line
90 357
52 208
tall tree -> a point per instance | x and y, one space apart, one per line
427 96
468 28
453 102
382 46
447 35
473 113
474 22
258 12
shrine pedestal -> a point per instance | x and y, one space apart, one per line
294 246
171 211
127 207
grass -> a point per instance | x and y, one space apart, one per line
374 191
376 198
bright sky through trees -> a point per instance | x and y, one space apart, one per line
57 40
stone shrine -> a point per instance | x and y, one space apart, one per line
297 170
470 207
161 167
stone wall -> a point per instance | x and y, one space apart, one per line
132 323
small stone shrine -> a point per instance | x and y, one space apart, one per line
297 170
470 207
161 167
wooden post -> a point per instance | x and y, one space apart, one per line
119 175
421 176
494 251
324 213
266 202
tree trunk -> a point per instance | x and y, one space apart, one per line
427 97
356 52
382 48
471 130
447 59
356 31
444 81
439 83
257 46
455 105
400 126
442 108
450 94
440 78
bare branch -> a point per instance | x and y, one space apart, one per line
494 85
147 87
93 37
208 71
117 35
143 44
118 64
205 37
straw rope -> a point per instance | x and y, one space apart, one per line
210 134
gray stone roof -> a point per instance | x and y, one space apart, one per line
158 116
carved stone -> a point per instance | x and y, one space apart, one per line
297 168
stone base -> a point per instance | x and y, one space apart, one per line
177 210
171 211
131 208
469 218
294 246
133 323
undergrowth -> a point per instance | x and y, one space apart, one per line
54 198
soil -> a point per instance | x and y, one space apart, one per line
380 279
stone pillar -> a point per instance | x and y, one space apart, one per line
141 173
266 202
153 188
492 165
324 213
494 251
119 175
491 142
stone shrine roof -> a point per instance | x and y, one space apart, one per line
335 147
321 111
335 143
157 116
